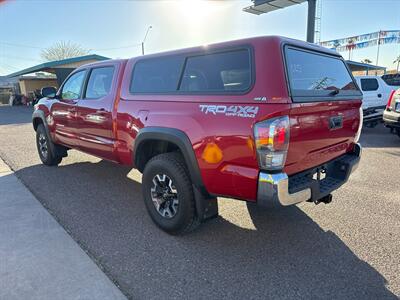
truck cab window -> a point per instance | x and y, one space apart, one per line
73 86
99 83
369 84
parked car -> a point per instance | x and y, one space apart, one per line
269 120
376 93
391 115
392 80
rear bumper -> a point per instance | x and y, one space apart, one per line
391 118
279 189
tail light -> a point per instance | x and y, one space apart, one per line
388 105
360 125
272 142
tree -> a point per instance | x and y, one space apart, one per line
366 61
63 50
397 60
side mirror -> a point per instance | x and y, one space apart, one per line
49 91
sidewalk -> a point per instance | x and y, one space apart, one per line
38 259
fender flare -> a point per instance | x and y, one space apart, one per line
182 141
39 114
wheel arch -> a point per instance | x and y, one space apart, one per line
172 140
38 117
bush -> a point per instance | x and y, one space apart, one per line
4 98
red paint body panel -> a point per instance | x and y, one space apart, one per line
236 175
311 141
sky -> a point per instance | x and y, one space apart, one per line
116 28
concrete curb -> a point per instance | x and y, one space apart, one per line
38 259
4 168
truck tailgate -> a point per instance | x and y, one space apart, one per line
320 132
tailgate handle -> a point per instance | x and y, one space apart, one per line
336 122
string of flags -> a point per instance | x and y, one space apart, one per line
364 40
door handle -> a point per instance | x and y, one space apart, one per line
73 109
101 111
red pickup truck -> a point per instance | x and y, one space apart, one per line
269 120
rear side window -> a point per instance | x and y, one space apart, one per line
219 72
99 83
392 79
369 84
317 75
159 75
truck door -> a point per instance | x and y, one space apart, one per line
64 110
372 94
94 112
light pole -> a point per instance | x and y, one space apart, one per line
145 36
265 6
379 44
312 6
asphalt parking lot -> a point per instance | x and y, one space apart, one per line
347 249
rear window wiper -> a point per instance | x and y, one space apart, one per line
334 92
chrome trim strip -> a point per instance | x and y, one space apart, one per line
96 140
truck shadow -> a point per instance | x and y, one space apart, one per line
379 137
15 114
287 255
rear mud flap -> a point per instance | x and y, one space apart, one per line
206 207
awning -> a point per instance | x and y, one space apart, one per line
61 68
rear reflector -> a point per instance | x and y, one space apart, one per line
272 142
390 99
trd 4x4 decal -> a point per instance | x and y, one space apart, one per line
230 111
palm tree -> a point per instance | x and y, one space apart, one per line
397 60
366 61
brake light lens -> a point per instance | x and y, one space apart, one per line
360 125
272 142
390 99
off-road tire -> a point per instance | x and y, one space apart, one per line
42 140
171 164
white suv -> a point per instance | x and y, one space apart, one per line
376 93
